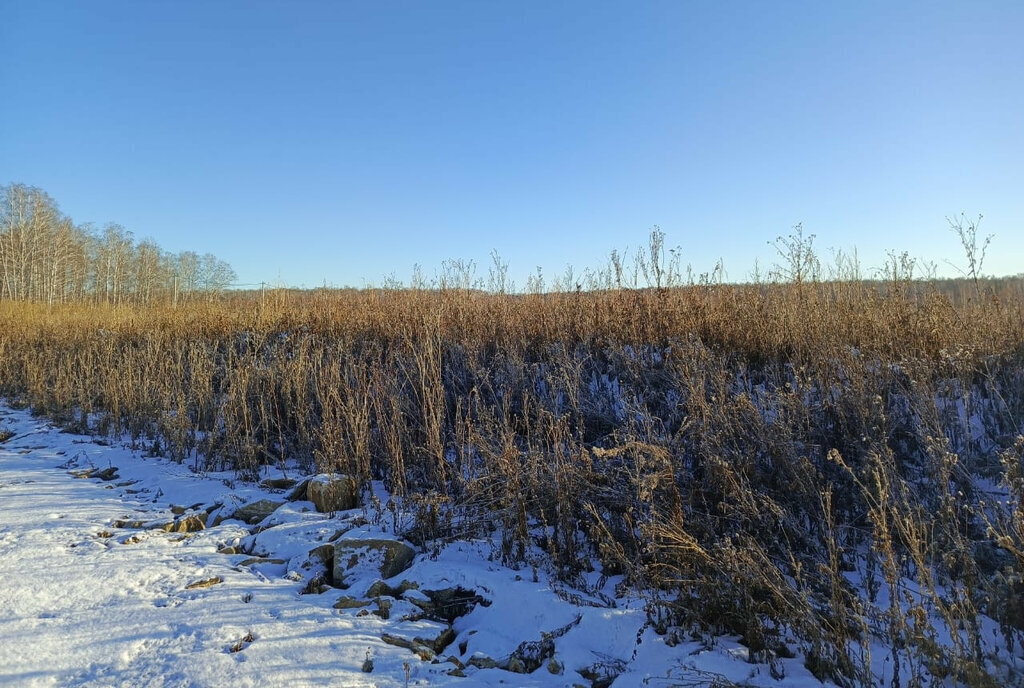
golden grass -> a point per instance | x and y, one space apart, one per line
732 449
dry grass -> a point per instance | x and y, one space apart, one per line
736 451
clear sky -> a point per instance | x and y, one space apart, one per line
342 142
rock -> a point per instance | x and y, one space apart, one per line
481 661
333 494
383 608
190 524
442 641
107 474
315 587
177 510
252 561
517 666
126 523
320 562
449 604
205 583
233 549
600 675
457 672
389 557
337 534
277 483
554 667
299 493
533 653
421 650
530 655
257 511
350 603
324 554
380 588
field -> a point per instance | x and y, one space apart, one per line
825 468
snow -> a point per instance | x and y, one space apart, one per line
84 603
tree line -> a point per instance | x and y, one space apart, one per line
45 257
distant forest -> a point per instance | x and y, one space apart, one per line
45 257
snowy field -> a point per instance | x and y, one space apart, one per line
96 592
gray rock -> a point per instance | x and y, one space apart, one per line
206 583
421 650
446 638
380 588
449 604
517 666
107 474
257 511
529 656
298 494
481 661
190 524
323 557
277 483
255 561
333 494
388 557
532 654
350 603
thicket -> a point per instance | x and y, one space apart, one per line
833 464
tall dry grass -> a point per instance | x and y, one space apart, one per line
823 464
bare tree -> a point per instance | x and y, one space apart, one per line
45 257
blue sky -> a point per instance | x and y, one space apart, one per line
342 142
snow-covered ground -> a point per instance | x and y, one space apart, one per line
84 602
